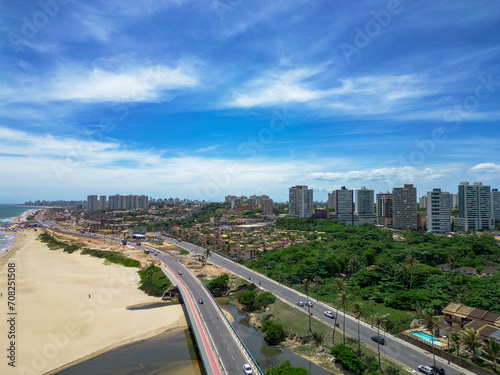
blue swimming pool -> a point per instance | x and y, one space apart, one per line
426 337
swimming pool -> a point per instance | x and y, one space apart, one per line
426 337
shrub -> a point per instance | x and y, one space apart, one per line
274 332
348 359
264 300
247 298
153 281
219 285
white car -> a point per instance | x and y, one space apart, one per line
426 369
247 369
330 314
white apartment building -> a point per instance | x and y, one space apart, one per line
438 211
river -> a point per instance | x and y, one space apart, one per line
173 353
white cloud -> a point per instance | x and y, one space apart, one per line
486 170
135 83
408 174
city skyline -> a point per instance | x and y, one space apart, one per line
200 100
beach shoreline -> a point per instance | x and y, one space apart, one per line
70 308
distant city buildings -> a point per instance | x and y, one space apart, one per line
438 211
404 207
422 202
300 201
117 202
262 202
475 208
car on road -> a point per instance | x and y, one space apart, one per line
179 272
379 339
330 314
200 301
247 370
438 370
300 303
426 369
309 303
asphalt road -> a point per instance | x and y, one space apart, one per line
401 351
230 353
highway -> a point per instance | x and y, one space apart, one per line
399 350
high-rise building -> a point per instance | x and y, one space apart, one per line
344 210
384 208
495 201
300 201
404 207
438 211
422 202
92 203
365 208
331 200
267 207
102 203
455 201
475 208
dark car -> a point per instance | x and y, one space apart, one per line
180 272
200 301
309 303
379 339
300 303
438 370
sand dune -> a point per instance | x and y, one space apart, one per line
56 322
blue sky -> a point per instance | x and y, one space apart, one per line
200 99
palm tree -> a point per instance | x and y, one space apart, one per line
492 348
339 285
306 284
343 300
317 281
357 309
411 263
430 324
469 340
207 253
379 319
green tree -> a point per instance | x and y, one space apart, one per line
247 298
285 368
430 322
379 320
274 333
469 340
357 309
264 300
344 297
219 285
348 359
492 349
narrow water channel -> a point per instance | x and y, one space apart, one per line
173 353
261 351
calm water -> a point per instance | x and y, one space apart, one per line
169 353
7 213
172 353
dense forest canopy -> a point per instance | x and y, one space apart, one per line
399 274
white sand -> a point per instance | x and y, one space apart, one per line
56 322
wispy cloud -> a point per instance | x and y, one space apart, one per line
134 84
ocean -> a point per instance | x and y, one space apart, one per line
7 213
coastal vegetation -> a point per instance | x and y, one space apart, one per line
387 275
53 243
112 257
153 281
285 368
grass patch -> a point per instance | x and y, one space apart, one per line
153 281
54 244
112 257
183 252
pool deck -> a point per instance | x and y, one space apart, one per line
443 341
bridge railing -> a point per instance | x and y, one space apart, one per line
238 338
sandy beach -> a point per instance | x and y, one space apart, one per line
69 307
